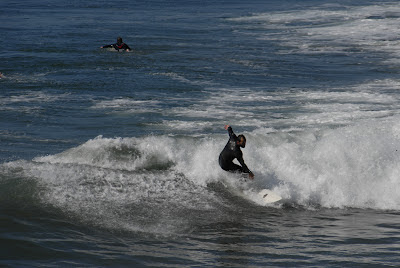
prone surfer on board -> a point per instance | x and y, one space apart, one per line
119 45
232 151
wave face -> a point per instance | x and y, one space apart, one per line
141 184
121 184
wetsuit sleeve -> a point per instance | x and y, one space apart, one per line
126 47
244 166
107 46
231 134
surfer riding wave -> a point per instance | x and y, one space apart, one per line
231 151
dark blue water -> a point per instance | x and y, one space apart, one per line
110 158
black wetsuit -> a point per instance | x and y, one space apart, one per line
230 152
118 46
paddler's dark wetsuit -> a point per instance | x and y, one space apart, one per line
118 46
230 152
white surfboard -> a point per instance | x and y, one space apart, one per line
268 196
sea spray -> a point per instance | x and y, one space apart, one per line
353 166
102 180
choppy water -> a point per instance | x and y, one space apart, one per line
110 158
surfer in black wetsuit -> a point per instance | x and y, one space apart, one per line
119 45
232 151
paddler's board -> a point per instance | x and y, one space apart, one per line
268 196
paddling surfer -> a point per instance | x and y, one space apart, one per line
119 45
231 151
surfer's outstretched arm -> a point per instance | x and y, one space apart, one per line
106 46
230 131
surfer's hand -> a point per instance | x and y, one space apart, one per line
226 127
251 176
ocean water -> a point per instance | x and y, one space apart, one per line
111 158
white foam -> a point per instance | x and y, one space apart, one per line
31 97
134 184
354 166
181 78
125 154
330 30
26 101
187 126
127 105
284 109
103 180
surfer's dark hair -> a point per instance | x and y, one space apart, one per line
240 137
119 40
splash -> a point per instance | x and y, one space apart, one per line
151 184
131 184
354 166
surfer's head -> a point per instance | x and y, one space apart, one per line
119 40
241 141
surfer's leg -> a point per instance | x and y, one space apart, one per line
235 168
231 167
